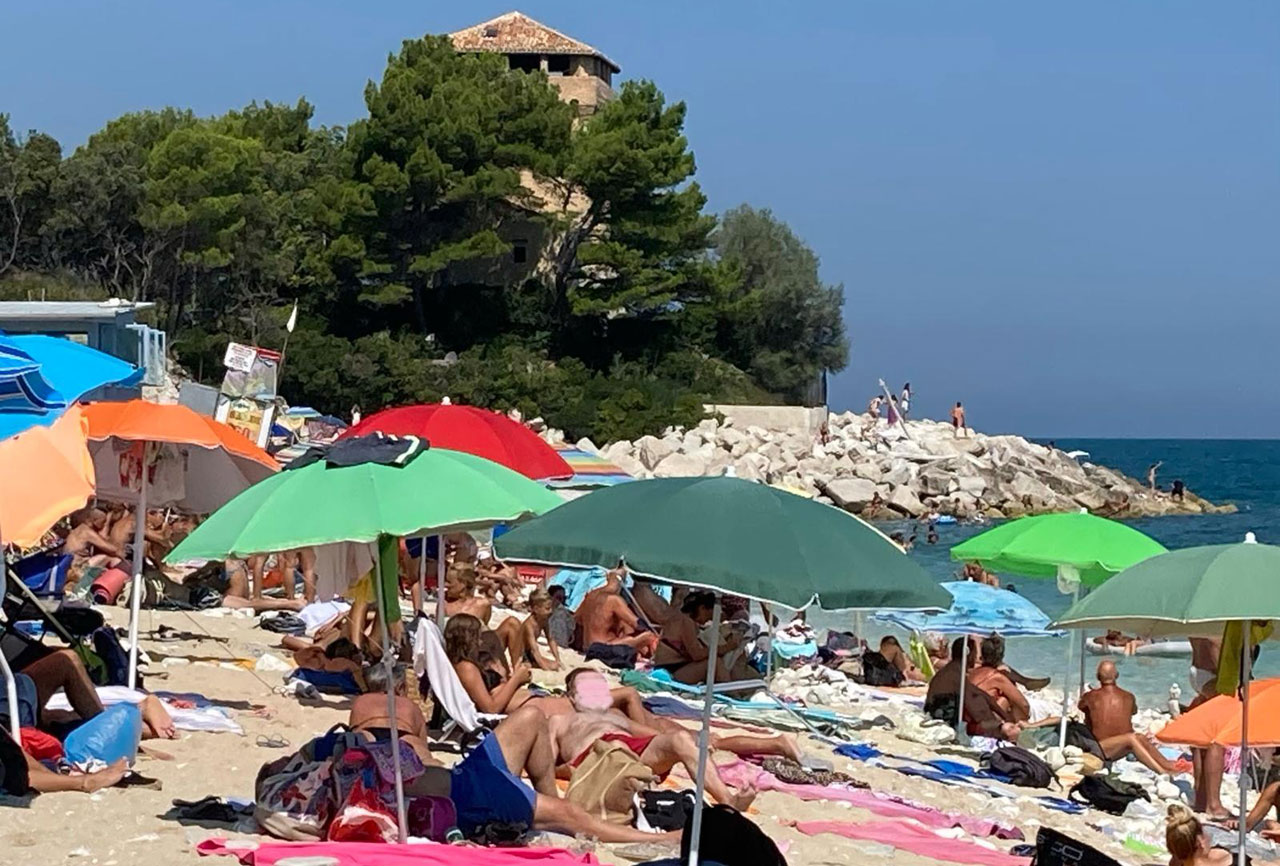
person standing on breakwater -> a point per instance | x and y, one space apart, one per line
957 421
904 402
1151 474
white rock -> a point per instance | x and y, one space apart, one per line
652 450
680 466
585 444
904 500
852 494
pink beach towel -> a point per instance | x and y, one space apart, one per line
906 836
738 773
252 853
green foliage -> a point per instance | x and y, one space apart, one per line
398 234
781 324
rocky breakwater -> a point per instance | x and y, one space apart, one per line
882 472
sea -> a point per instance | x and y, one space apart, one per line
1243 472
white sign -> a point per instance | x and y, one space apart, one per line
239 357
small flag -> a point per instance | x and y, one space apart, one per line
293 318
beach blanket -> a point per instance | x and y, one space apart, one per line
253 853
739 773
906 836
202 716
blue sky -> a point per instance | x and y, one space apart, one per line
1065 215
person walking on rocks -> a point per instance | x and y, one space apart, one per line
957 421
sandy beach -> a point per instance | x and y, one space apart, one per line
215 656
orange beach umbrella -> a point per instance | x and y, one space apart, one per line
1216 722
47 474
156 454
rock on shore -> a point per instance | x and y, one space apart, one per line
877 471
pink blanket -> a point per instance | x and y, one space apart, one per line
737 773
252 853
911 837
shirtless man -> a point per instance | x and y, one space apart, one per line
604 617
981 714
574 733
521 638
1205 652
989 677
1108 711
1209 763
460 594
87 542
957 421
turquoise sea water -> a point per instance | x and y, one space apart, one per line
1245 472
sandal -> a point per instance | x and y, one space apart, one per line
271 741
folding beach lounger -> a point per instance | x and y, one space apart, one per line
430 663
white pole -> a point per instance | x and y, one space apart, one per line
10 684
384 609
422 573
439 580
961 729
704 736
1066 680
1246 664
135 595
769 626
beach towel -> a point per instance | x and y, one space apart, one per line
203 715
254 853
906 836
318 613
328 682
739 773
577 582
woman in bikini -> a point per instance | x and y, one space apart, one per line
682 653
485 686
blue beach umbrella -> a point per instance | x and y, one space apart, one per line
41 375
976 609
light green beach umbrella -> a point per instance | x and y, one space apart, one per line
1193 592
733 535
438 491
1039 546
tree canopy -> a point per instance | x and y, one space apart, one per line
470 236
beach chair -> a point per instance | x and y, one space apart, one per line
432 663
45 574
28 618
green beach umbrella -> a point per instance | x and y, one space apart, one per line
428 492
438 491
1079 548
1040 546
1194 592
732 535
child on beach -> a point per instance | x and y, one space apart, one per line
521 638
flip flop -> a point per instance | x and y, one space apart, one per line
271 741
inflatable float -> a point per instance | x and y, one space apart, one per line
1159 649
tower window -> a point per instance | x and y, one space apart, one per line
520 251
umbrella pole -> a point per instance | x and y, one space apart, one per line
768 665
422 573
964 687
10 684
139 548
402 821
1066 679
439 580
704 736
1246 663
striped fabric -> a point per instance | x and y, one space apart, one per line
22 388
589 470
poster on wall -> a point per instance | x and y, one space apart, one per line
251 372
252 418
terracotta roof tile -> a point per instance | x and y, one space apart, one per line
517 33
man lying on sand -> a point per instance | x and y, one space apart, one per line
573 735
1108 711
486 787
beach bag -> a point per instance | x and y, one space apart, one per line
1107 793
109 736
666 810
294 802
606 782
877 671
1055 849
614 655
1020 767
115 661
731 839
433 818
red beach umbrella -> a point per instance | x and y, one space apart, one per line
477 431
